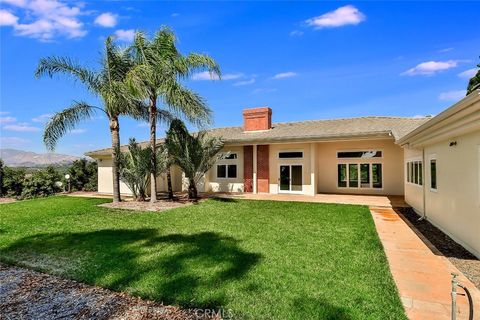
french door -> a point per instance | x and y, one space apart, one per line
291 178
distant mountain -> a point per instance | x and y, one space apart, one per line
19 158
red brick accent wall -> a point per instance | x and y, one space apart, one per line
248 168
257 119
263 172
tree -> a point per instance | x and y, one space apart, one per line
474 82
135 167
13 181
156 76
41 183
194 154
107 84
1 178
83 175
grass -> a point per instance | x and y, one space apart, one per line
256 259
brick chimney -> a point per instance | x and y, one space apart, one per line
257 119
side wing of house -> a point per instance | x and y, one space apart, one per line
442 165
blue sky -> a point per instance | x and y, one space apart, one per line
306 60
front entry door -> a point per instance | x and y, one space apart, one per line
290 178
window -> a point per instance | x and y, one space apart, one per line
342 175
365 175
226 171
359 154
415 172
353 175
433 174
359 175
290 154
231 156
377 175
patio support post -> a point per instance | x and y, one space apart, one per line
313 169
254 168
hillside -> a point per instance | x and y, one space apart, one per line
20 158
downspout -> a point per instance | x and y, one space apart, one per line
424 166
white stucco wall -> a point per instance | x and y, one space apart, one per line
413 192
455 206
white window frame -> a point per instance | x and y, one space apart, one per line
370 169
226 170
358 150
420 174
430 158
291 150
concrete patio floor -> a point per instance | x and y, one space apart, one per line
367 200
423 277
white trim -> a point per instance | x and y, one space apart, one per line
370 172
431 157
290 178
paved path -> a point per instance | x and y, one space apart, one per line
423 278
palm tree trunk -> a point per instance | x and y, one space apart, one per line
169 184
192 190
153 130
115 132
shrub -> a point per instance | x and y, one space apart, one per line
83 175
13 181
41 183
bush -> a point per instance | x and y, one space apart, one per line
83 175
41 183
13 181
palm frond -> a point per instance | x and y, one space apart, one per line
54 65
185 103
64 121
195 62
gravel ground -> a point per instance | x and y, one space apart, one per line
26 294
7 200
466 262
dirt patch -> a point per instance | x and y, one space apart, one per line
465 261
26 294
161 205
7 200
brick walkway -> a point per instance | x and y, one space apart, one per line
423 278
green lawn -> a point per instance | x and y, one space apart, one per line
260 259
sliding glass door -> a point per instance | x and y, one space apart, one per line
291 178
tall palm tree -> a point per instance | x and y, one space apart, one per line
157 76
106 84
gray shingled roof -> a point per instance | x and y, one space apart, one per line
317 130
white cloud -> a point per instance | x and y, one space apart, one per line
7 18
12 141
347 15
205 75
107 19
284 75
43 118
264 90
445 50
45 19
7 119
3 113
245 82
467 74
78 131
430 68
297 33
454 95
143 125
21 127
125 35
175 14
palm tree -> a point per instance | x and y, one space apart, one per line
194 154
156 77
107 84
474 82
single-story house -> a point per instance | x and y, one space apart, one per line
366 155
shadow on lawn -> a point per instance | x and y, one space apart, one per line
191 270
